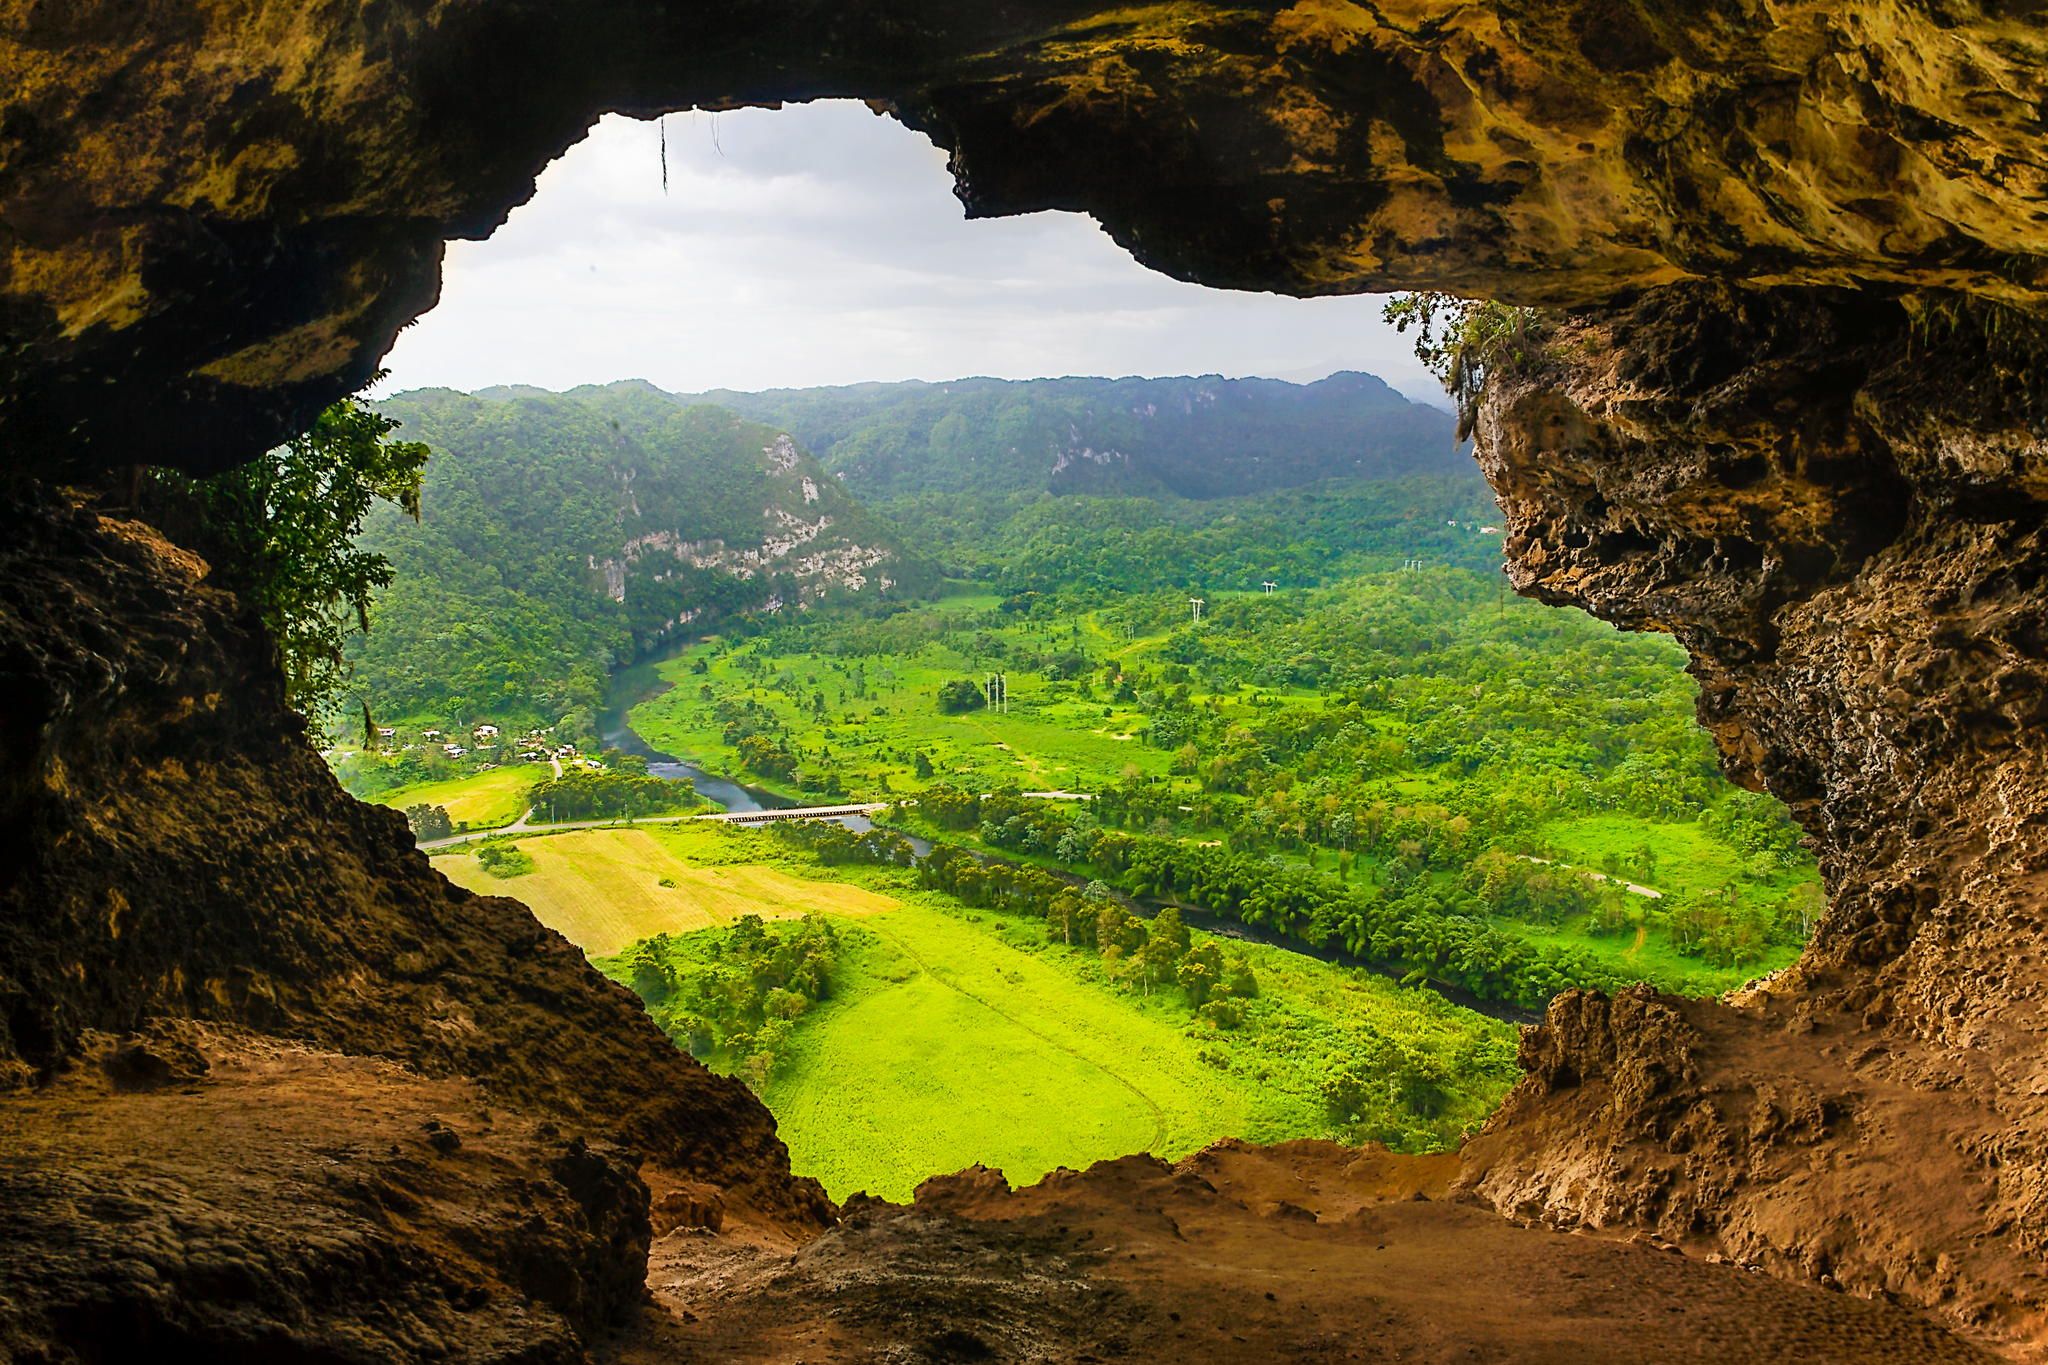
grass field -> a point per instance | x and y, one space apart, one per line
1050 738
956 1036
482 800
603 889
1687 858
1646 954
947 1047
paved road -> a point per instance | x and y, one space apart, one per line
524 824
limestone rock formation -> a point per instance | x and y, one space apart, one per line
1795 420
226 988
1304 1251
1836 502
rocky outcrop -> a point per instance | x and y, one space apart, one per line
213 223
227 989
289 1203
1836 503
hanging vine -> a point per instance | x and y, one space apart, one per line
1463 341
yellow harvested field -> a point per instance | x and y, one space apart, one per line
481 800
601 889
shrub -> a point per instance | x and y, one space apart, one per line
961 694
504 860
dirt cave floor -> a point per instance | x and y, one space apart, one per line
348 1209
1307 1251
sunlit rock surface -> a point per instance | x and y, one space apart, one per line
1795 421
214 219
1836 503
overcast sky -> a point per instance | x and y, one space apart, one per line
822 244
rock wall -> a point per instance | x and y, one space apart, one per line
226 988
1836 503
1797 426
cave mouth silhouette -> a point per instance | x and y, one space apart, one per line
570 217
821 245
1791 418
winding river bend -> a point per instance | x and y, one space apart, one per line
639 683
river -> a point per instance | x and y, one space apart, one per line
630 687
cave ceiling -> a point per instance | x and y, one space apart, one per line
214 217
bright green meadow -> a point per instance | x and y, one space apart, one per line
952 1036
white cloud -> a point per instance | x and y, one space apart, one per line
822 245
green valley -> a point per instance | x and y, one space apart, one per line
951 1034
1250 802
1413 736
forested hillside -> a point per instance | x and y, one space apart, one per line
561 535
1205 437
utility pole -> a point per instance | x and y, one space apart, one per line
1195 605
997 688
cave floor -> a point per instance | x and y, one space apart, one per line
348 1208
1307 1251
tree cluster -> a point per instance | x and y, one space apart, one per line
834 845
1143 954
611 794
429 822
732 996
1432 933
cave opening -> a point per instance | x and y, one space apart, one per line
274 1088
1537 809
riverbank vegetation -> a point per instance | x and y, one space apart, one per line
622 791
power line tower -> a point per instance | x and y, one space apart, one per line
997 688
1195 605
1269 585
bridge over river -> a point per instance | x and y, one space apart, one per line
525 823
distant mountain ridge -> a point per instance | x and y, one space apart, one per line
585 529
566 533
1201 437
